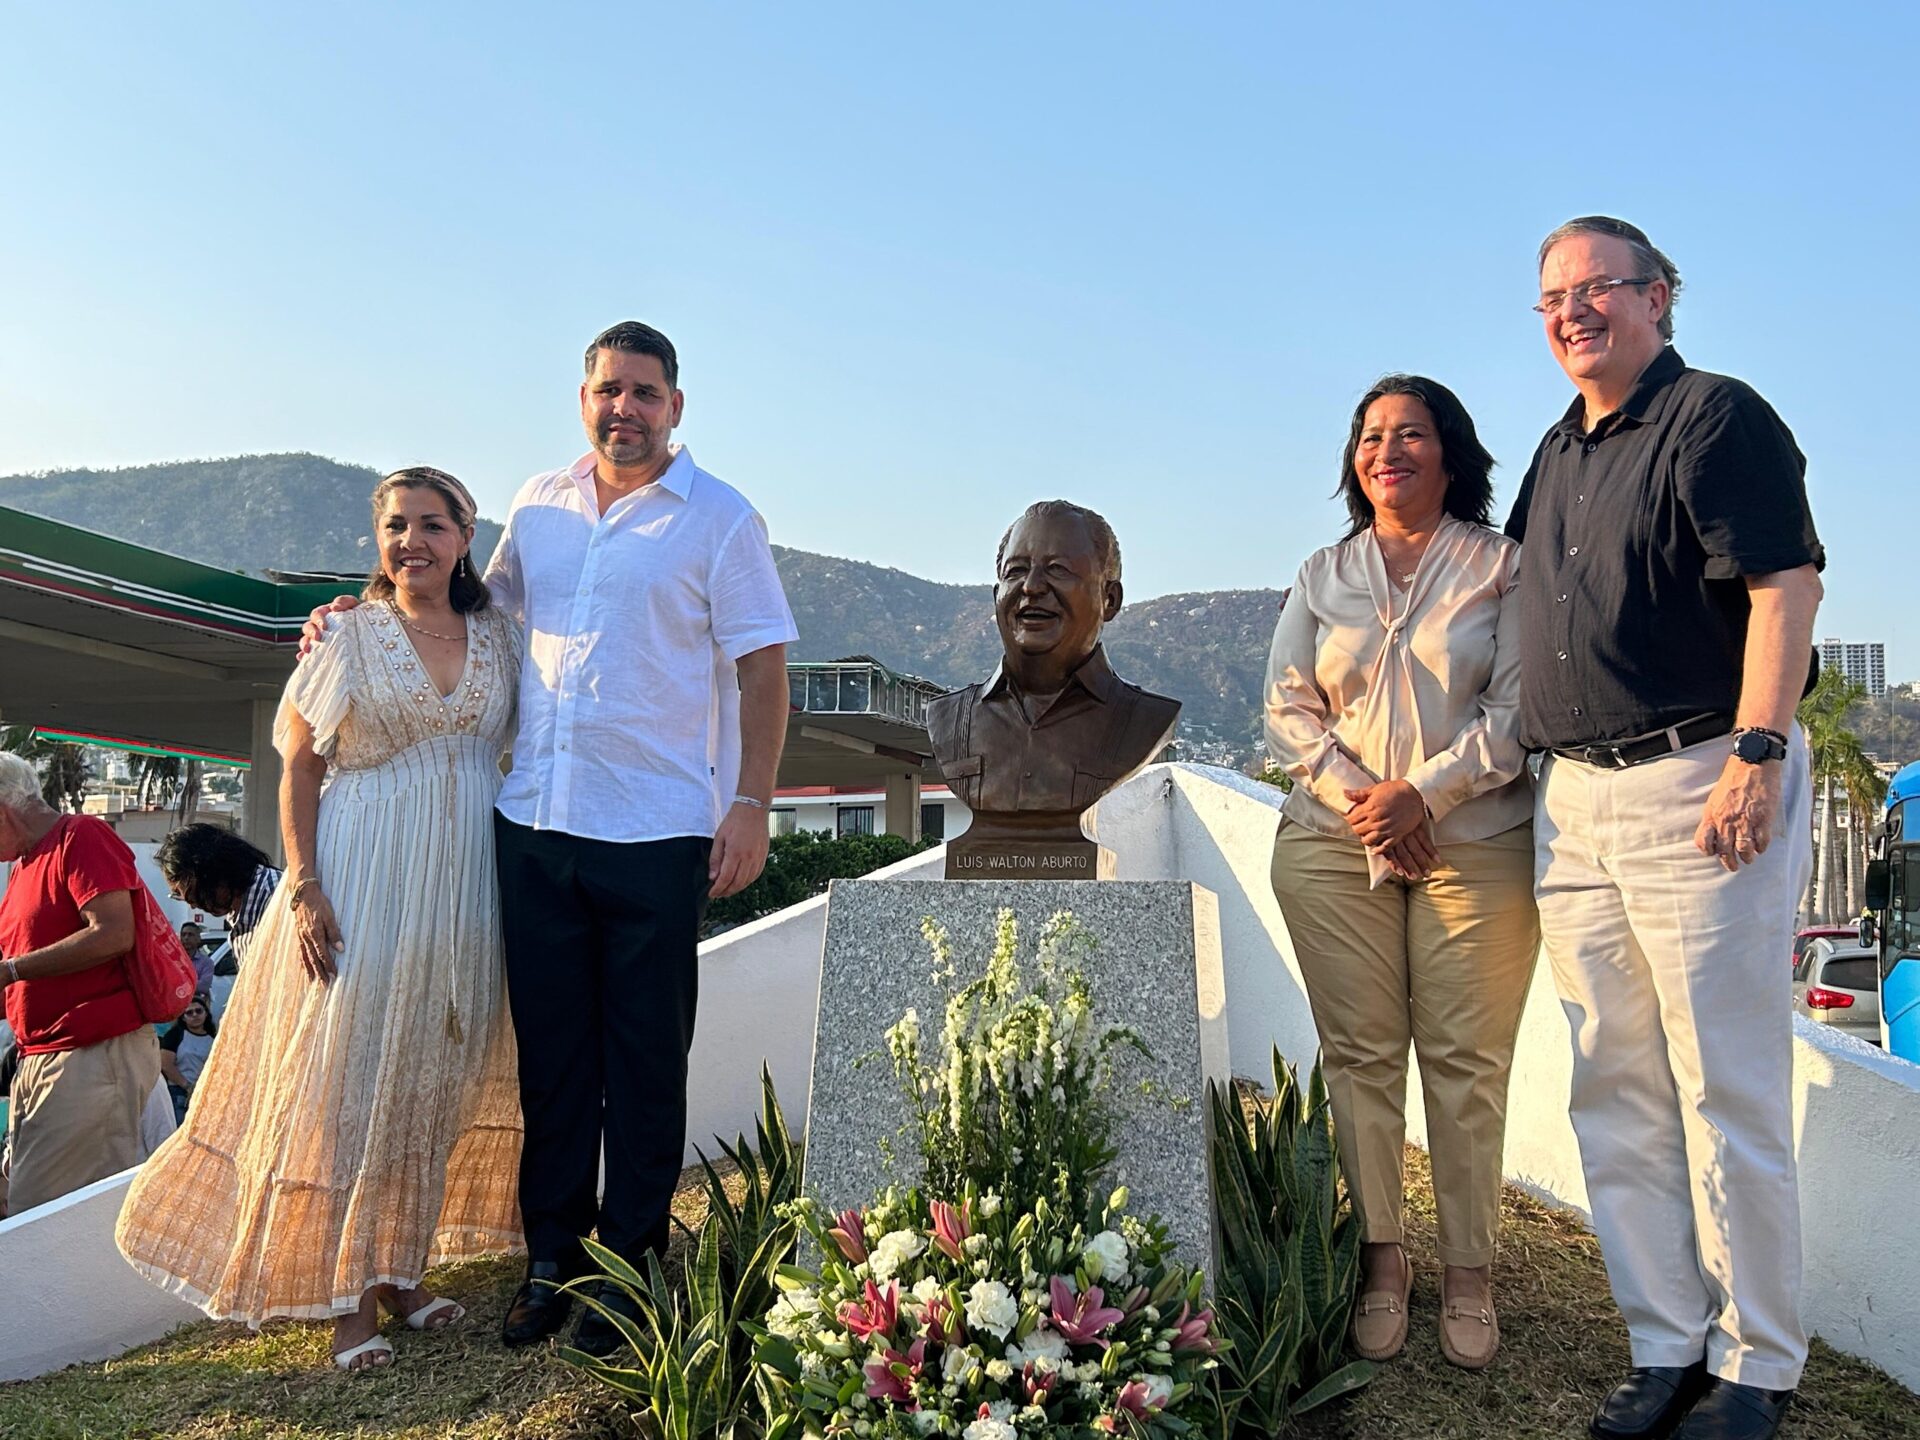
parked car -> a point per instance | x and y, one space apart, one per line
1837 983
1806 937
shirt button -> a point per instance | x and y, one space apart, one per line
1579 499
1559 599
1563 654
1573 550
1591 446
1576 712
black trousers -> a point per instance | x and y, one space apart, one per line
602 981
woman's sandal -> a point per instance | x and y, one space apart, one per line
424 1318
377 1346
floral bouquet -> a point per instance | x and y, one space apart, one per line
997 1296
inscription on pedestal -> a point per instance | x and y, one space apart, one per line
1028 860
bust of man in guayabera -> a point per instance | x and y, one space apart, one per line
1052 729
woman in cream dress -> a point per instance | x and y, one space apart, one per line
1404 862
358 1118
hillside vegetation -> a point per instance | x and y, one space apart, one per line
304 512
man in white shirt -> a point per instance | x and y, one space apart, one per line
653 706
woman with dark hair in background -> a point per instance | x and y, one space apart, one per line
359 1119
214 870
1404 860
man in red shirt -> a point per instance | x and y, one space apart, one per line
87 1059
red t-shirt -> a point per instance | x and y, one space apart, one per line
76 862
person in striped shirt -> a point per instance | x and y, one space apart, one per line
216 871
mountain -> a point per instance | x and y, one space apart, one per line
304 512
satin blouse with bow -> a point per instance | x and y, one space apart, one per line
1368 683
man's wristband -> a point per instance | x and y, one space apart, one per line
749 800
13 971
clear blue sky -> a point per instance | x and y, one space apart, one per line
925 264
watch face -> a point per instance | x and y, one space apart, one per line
1753 748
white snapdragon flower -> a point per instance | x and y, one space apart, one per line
957 1366
895 1249
1106 1255
989 1429
991 1307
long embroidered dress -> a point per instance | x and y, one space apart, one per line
342 1134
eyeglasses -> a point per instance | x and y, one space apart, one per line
1587 293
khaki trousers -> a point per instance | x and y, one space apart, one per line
1443 964
75 1116
1673 973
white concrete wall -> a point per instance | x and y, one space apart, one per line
66 1294
1857 1113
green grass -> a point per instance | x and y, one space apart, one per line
1562 1345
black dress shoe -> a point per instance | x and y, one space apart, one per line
539 1307
598 1336
1649 1403
1730 1411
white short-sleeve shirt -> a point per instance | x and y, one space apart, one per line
629 725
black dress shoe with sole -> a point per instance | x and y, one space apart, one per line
1649 1403
539 1306
598 1336
1731 1411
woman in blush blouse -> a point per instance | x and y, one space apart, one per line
1404 862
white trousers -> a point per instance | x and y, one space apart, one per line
1674 976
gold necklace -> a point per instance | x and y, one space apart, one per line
422 630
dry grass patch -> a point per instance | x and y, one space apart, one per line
1562 1345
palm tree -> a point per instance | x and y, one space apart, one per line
1834 750
63 768
1866 791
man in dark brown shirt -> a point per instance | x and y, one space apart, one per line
1053 728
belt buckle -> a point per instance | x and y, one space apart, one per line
1605 757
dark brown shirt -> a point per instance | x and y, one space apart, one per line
1002 751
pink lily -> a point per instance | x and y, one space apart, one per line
950 1227
891 1376
850 1235
1082 1317
1132 1408
874 1317
945 1324
1037 1384
1193 1337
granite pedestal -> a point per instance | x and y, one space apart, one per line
1157 968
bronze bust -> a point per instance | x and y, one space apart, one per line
1036 743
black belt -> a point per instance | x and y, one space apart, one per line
1619 754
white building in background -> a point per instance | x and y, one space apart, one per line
1864 662
841 810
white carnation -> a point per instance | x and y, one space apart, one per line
989 1206
999 1371
991 1307
925 1290
894 1250
1106 1255
989 1430
1042 1344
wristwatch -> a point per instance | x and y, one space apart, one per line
1755 745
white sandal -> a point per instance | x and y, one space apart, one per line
422 1318
378 1345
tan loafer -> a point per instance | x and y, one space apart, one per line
1380 1319
1469 1333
